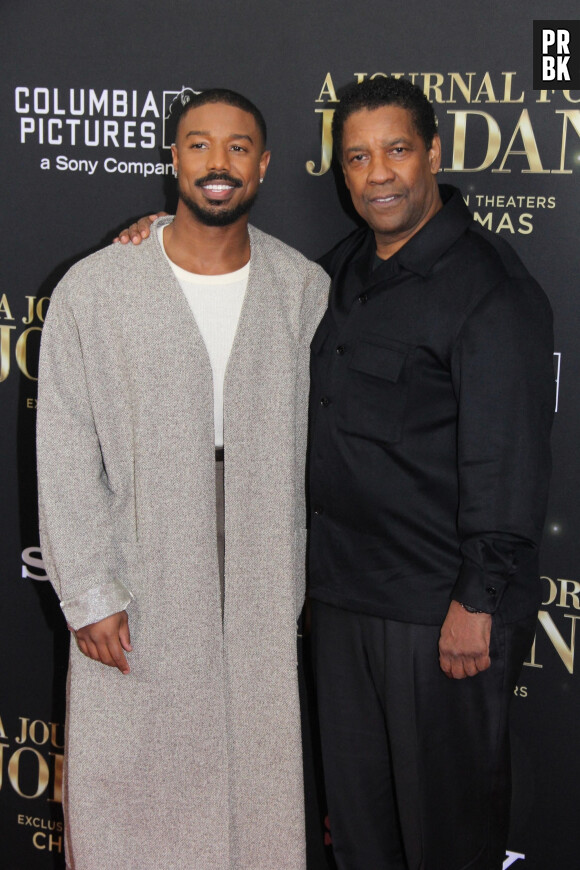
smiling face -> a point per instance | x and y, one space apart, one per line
219 157
390 173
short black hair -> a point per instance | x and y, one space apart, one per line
188 99
384 91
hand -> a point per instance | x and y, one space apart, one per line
464 642
139 230
105 641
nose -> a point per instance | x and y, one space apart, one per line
380 169
218 158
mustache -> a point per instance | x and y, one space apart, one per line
218 176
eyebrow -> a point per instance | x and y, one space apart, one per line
208 134
401 140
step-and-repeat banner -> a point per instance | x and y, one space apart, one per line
83 96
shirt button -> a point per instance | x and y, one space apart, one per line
363 298
491 590
325 402
318 510
340 349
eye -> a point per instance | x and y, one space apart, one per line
357 158
238 148
198 145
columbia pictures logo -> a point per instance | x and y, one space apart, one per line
556 55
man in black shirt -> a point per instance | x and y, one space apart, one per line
431 407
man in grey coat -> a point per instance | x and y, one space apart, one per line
157 362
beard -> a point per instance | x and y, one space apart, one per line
216 214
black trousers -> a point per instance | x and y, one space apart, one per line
416 766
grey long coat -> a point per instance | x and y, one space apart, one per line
193 760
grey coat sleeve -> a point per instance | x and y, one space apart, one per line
84 560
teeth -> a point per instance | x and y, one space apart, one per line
217 186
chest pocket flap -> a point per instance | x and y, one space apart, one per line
374 396
380 360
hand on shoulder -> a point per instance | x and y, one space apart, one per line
139 230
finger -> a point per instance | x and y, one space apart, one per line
470 667
89 649
82 645
125 636
99 651
110 654
457 669
147 221
445 666
123 237
482 663
116 657
104 656
143 226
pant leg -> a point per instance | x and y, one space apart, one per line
356 758
463 755
407 750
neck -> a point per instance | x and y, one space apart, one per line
205 250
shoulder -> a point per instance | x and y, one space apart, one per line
107 271
113 259
494 258
496 284
469 251
496 249
285 259
346 247
480 262
486 251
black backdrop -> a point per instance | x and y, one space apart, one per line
86 84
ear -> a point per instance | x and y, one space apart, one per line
175 158
435 155
264 163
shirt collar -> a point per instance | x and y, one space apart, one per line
422 251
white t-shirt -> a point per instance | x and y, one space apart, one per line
216 303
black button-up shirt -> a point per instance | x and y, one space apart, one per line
431 404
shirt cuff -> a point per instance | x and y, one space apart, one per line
482 590
95 604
